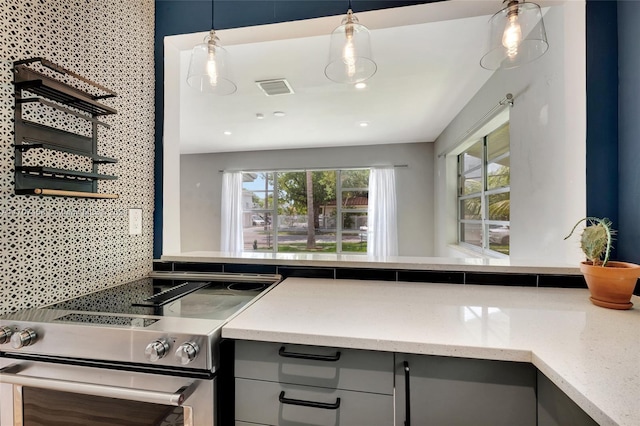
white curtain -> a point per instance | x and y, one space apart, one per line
382 224
231 213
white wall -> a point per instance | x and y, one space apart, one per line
548 145
201 185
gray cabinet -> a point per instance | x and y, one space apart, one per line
555 408
281 384
460 391
286 385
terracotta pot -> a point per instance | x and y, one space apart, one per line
611 286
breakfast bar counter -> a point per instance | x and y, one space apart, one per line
335 260
592 354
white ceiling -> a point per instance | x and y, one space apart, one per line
426 73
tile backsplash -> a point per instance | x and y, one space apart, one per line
53 248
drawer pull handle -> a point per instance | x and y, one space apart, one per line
303 403
283 353
407 390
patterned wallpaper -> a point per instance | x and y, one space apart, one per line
54 248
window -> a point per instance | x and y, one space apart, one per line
483 193
306 211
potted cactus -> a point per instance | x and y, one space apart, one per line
611 283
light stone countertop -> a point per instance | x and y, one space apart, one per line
333 260
590 353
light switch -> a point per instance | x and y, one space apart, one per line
135 221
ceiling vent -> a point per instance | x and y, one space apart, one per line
279 86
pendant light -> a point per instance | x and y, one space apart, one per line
208 68
350 59
517 36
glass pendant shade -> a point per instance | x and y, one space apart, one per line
517 36
208 71
350 59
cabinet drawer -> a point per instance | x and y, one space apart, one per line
273 403
337 368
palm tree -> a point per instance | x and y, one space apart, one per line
311 230
500 204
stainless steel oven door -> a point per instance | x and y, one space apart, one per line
42 393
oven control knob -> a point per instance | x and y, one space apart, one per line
5 334
187 352
23 338
156 350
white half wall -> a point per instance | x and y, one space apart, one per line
201 187
548 146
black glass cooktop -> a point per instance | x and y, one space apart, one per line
210 299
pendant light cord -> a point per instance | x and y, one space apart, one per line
349 5
212 7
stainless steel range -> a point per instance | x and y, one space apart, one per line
141 353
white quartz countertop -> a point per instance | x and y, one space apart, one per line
467 264
590 353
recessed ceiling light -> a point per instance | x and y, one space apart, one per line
227 132
360 86
279 113
363 124
259 116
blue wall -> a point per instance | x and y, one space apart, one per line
613 119
602 111
629 130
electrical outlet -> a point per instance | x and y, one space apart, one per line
135 221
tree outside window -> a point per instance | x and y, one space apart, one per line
307 211
484 193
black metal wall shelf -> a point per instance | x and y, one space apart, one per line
31 178
62 173
95 158
63 193
61 108
40 84
29 76
28 131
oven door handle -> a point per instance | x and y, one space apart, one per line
177 398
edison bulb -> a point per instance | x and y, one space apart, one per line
349 56
349 51
512 36
212 71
